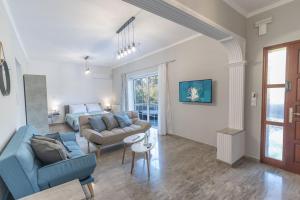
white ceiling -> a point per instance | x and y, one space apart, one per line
250 8
66 31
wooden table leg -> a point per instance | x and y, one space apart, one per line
132 163
124 151
148 166
98 153
88 142
91 189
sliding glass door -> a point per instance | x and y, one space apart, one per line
145 95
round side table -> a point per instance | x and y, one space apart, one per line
142 148
128 141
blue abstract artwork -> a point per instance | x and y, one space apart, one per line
199 91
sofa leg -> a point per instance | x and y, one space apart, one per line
91 189
98 153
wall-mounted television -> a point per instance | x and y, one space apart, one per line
198 91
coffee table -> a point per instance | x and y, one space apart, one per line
145 148
128 141
71 190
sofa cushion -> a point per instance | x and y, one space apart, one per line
74 149
110 121
48 150
97 123
123 120
54 136
109 137
132 128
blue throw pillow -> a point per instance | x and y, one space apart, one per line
97 123
123 120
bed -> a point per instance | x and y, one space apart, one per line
72 119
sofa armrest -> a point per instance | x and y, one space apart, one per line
144 124
70 136
91 135
66 170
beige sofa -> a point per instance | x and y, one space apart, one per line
116 135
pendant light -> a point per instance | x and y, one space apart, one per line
126 44
133 44
87 69
118 50
129 45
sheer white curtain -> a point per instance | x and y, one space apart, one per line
163 99
124 93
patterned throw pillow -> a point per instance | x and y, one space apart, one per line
123 120
110 121
97 123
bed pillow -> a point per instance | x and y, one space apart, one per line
48 150
93 107
110 121
123 120
97 123
79 108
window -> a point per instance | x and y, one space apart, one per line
145 95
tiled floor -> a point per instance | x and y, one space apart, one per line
183 169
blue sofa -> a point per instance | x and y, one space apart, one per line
23 173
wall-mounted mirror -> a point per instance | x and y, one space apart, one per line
4 74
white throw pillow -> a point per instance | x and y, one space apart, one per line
93 107
79 108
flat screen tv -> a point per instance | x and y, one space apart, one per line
199 91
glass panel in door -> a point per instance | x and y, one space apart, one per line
274 142
146 98
153 100
275 104
140 86
274 95
277 66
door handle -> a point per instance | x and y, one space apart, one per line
291 113
288 86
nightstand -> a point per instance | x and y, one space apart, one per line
52 117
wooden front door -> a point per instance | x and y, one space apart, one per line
292 143
281 107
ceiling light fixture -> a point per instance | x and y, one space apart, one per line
126 45
87 69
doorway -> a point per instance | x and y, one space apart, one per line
21 117
145 98
280 144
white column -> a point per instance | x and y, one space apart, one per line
231 140
236 95
235 47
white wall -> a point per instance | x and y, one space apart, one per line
8 104
200 58
284 28
68 84
10 117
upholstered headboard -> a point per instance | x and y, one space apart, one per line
67 108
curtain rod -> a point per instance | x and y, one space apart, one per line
155 65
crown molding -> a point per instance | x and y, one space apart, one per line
158 50
236 7
14 27
246 14
270 7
